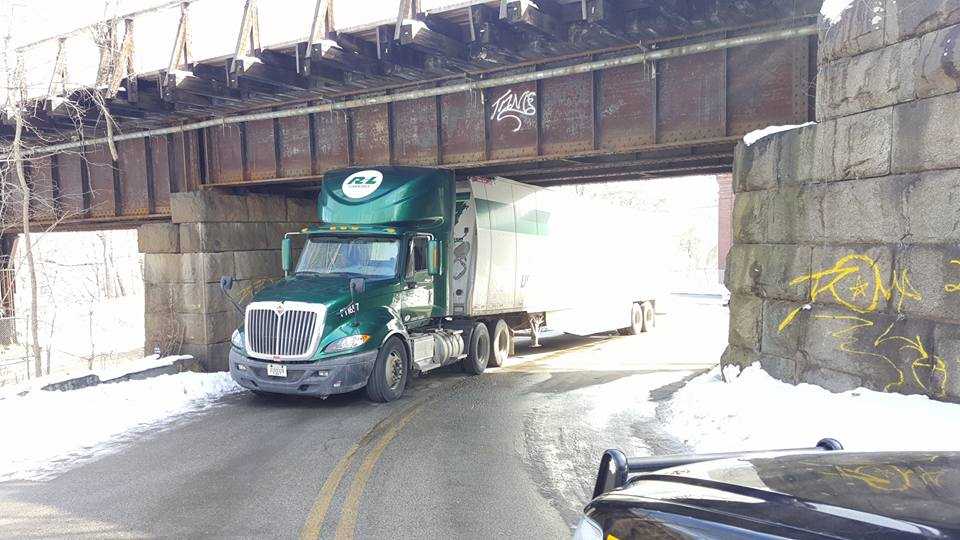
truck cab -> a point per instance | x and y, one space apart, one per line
409 270
365 292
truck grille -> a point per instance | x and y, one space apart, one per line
283 330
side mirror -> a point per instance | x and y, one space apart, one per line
612 474
433 258
286 254
226 283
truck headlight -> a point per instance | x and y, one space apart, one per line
237 339
349 342
588 529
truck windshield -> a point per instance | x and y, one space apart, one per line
363 257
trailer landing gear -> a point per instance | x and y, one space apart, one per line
535 321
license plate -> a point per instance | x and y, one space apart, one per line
276 370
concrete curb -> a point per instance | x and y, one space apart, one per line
179 365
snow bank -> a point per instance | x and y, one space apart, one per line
754 411
44 432
758 134
832 10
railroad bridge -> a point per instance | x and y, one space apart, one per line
548 92
216 157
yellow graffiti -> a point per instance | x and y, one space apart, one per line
889 478
849 336
953 287
936 370
789 318
879 477
885 477
855 283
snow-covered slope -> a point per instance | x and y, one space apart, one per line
754 411
46 432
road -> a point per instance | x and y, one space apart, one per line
510 452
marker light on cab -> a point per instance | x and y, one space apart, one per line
346 343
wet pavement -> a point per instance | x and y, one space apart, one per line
510 452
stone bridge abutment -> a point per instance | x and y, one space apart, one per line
845 268
212 234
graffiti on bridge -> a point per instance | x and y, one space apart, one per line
515 107
856 282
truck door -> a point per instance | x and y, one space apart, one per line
416 302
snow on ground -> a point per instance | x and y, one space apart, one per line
758 134
832 10
90 304
754 411
46 432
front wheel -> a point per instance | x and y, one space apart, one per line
390 372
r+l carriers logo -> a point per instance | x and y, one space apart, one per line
360 184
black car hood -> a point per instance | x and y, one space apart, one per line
844 494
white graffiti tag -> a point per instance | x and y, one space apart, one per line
511 105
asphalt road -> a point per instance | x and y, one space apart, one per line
512 452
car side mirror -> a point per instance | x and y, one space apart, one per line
433 258
612 474
286 254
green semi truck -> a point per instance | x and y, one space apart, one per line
410 270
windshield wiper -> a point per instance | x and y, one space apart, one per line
335 274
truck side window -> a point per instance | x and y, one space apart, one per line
418 255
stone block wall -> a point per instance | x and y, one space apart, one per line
212 234
845 269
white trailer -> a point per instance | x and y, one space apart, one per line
565 262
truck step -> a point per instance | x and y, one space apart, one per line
426 365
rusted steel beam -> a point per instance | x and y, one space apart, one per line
634 175
173 86
492 42
604 108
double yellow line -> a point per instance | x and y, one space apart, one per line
386 429
377 439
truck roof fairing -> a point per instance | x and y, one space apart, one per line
386 196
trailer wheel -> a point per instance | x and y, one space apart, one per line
478 350
649 317
390 372
502 343
636 321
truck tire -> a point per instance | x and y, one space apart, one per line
478 350
390 372
636 321
501 341
649 317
